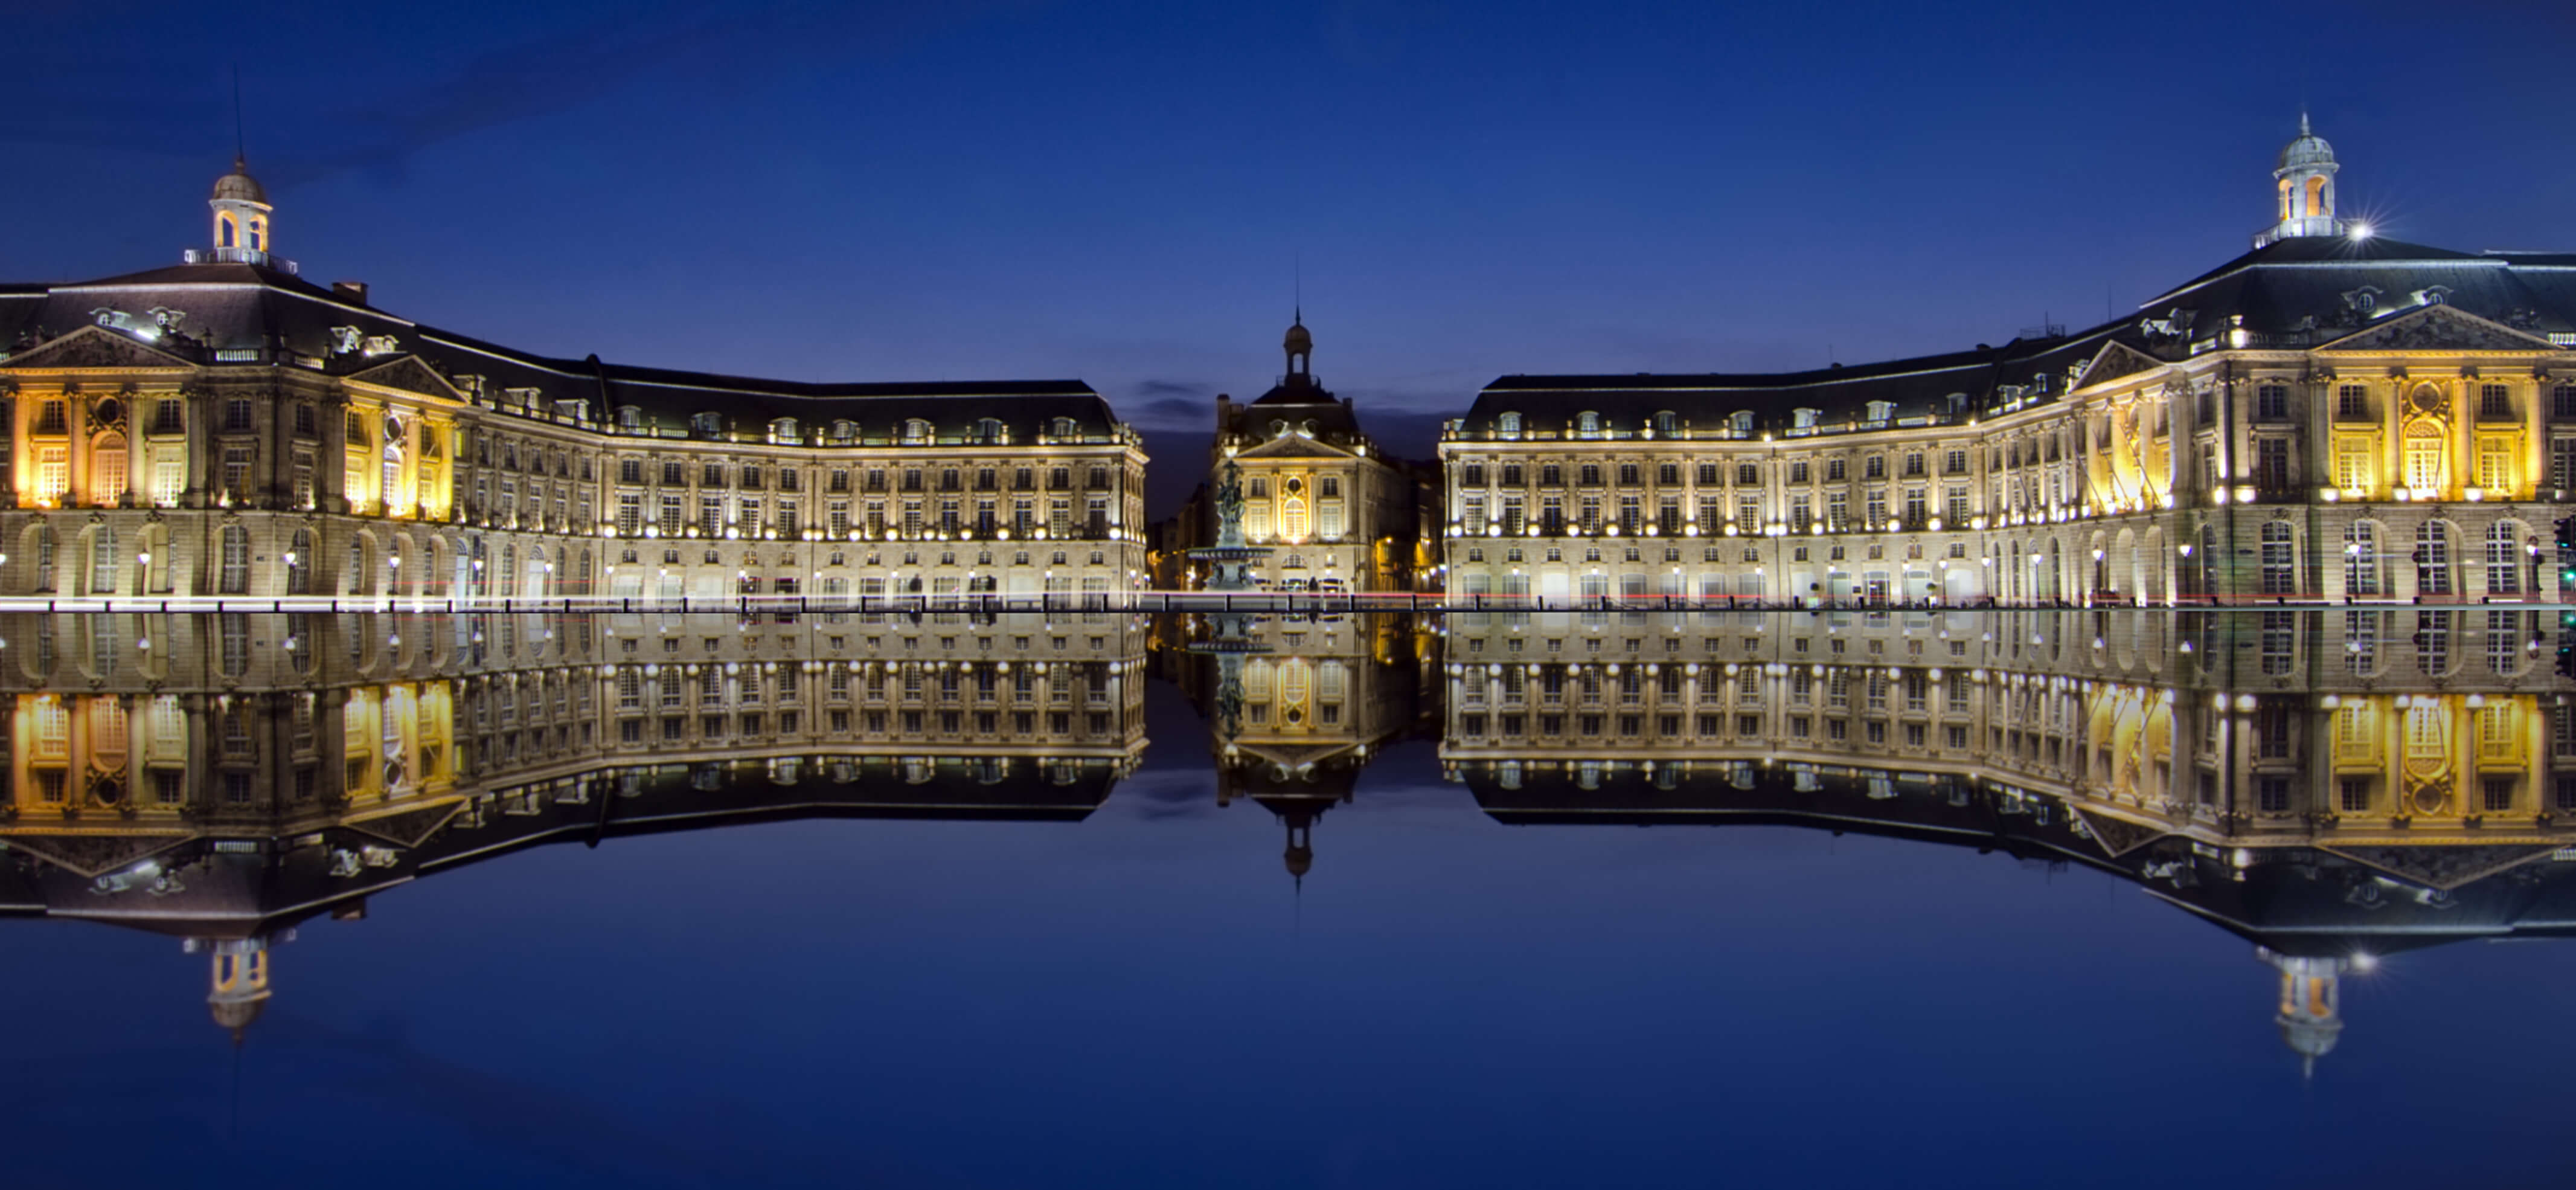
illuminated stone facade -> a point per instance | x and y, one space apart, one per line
225 428
2332 416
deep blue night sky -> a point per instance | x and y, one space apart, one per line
1121 191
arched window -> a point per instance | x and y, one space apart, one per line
258 234
102 561
225 236
2504 558
299 563
391 485
2316 196
2209 560
357 580
2361 561
2433 558
107 471
2425 455
2280 559
1292 518
232 572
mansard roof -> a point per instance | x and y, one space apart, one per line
2297 293
241 313
1936 387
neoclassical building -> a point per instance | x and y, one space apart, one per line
1336 513
224 427
2332 416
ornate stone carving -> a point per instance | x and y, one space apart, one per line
95 347
2440 328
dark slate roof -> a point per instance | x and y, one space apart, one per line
241 307
2281 901
1939 386
2292 294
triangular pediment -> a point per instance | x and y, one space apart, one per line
95 347
408 828
2118 836
95 855
410 375
2440 328
2114 361
1293 446
2445 866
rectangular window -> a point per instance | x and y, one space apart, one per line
2272 402
2495 465
2352 403
2494 401
170 479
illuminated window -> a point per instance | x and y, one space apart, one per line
1293 523
2504 562
2495 464
2424 451
2433 558
2352 463
2280 559
107 479
2361 563
53 473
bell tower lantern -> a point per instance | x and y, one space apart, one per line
241 217
2304 183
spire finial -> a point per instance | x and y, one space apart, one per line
2303 122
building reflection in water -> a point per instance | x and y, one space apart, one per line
222 778
2331 785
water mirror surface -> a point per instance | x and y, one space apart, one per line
1536 899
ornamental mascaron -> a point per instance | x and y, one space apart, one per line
2332 416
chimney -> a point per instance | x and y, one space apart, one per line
355 291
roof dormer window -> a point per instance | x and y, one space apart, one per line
706 425
844 430
1508 425
1881 410
1667 423
1742 421
784 432
1588 424
916 431
1064 430
630 418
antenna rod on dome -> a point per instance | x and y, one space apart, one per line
1298 286
238 155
